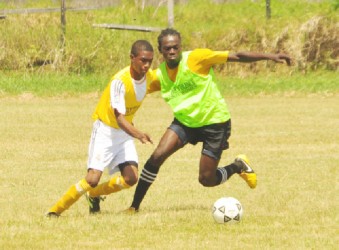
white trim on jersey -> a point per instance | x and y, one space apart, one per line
118 96
118 93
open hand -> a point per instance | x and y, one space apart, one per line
145 138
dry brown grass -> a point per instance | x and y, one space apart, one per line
293 143
31 42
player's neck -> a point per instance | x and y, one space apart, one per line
136 76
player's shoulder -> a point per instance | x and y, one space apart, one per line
123 73
201 51
152 78
150 73
200 54
208 55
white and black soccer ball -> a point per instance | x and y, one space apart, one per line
227 210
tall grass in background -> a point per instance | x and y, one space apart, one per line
307 30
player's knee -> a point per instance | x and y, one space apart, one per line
206 181
157 159
93 183
93 177
131 180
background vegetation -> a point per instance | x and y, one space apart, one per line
30 43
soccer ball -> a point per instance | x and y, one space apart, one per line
227 210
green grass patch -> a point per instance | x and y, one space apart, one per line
53 84
312 83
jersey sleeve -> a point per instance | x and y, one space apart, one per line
155 83
118 96
201 60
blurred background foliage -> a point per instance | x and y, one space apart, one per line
31 42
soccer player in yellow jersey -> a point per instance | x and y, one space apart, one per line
187 83
111 145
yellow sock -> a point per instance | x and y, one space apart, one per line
71 196
113 185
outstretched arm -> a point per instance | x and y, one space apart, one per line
247 57
130 129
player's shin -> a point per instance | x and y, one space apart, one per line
115 184
147 177
70 197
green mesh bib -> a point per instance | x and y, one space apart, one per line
195 100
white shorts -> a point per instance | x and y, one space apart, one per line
110 147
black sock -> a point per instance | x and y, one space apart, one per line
232 169
226 172
147 177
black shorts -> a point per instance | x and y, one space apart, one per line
214 137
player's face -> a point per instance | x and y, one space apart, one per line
141 63
171 50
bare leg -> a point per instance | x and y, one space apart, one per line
168 144
207 171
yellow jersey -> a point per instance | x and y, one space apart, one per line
104 110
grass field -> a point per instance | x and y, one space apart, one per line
293 143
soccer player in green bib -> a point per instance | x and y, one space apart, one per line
187 83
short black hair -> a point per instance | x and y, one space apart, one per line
167 32
141 45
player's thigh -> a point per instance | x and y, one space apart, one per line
102 149
169 143
215 139
125 155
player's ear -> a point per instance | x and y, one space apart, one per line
159 48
